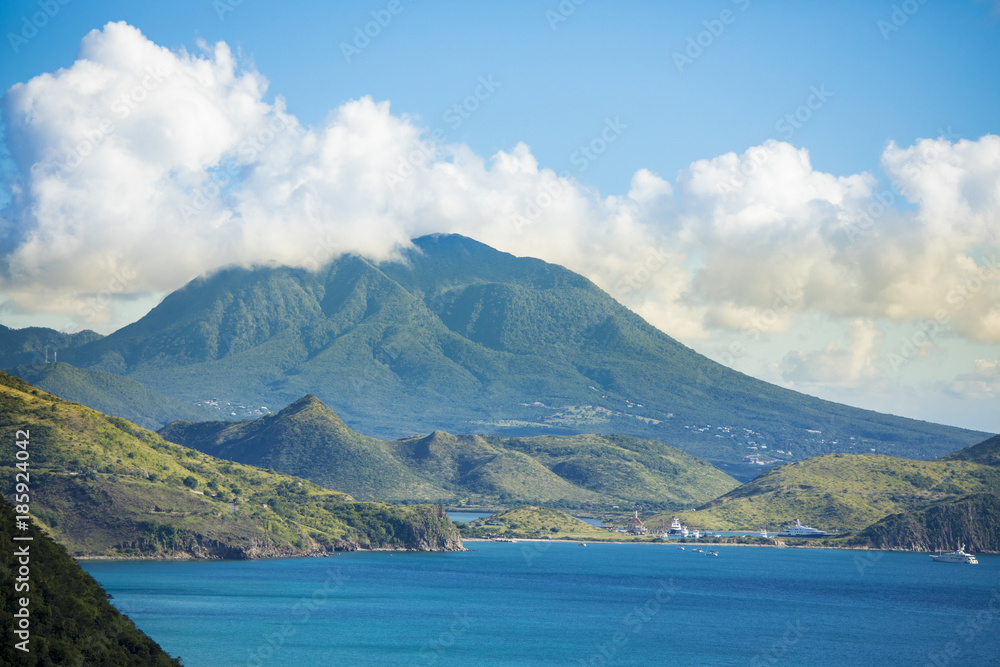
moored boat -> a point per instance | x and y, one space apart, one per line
959 556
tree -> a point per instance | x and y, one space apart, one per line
190 482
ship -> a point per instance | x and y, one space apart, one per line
676 528
955 557
798 530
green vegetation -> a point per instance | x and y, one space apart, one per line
103 486
841 492
72 622
108 393
534 522
986 452
944 526
308 439
461 337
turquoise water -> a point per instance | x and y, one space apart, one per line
547 603
462 517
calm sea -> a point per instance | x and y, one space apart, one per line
549 603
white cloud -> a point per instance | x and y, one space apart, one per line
837 364
982 382
197 170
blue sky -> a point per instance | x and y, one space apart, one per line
661 93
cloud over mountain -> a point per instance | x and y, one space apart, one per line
139 168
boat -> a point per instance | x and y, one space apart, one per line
798 530
697 551
955 557
681 548
583 544
696 534
504 539
713 553
763 533
675 527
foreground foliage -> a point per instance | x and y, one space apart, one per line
72 622
104 486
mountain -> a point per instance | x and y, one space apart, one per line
102 486
986 452
34 345
309 440
838 492
71 620
973 521
109 393
461 337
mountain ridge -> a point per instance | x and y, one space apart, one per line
308 439
461 337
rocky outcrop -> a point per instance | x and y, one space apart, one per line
973 521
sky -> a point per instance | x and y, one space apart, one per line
806 192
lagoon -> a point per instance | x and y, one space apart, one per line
553 603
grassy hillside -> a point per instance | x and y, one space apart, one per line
460 337
841 492
986 452
72 622
109 393
534 522
104 486
308 439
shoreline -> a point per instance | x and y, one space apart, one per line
721 544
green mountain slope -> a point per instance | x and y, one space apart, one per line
29 345
308 439
946 525
986 452
109 393
460 337
104 486
842 492
71 620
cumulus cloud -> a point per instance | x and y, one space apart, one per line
140 168
982 382
837 364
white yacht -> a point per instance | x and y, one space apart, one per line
763 533
955 557
696 534
798 530
675 527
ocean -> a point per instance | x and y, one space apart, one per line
553 603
